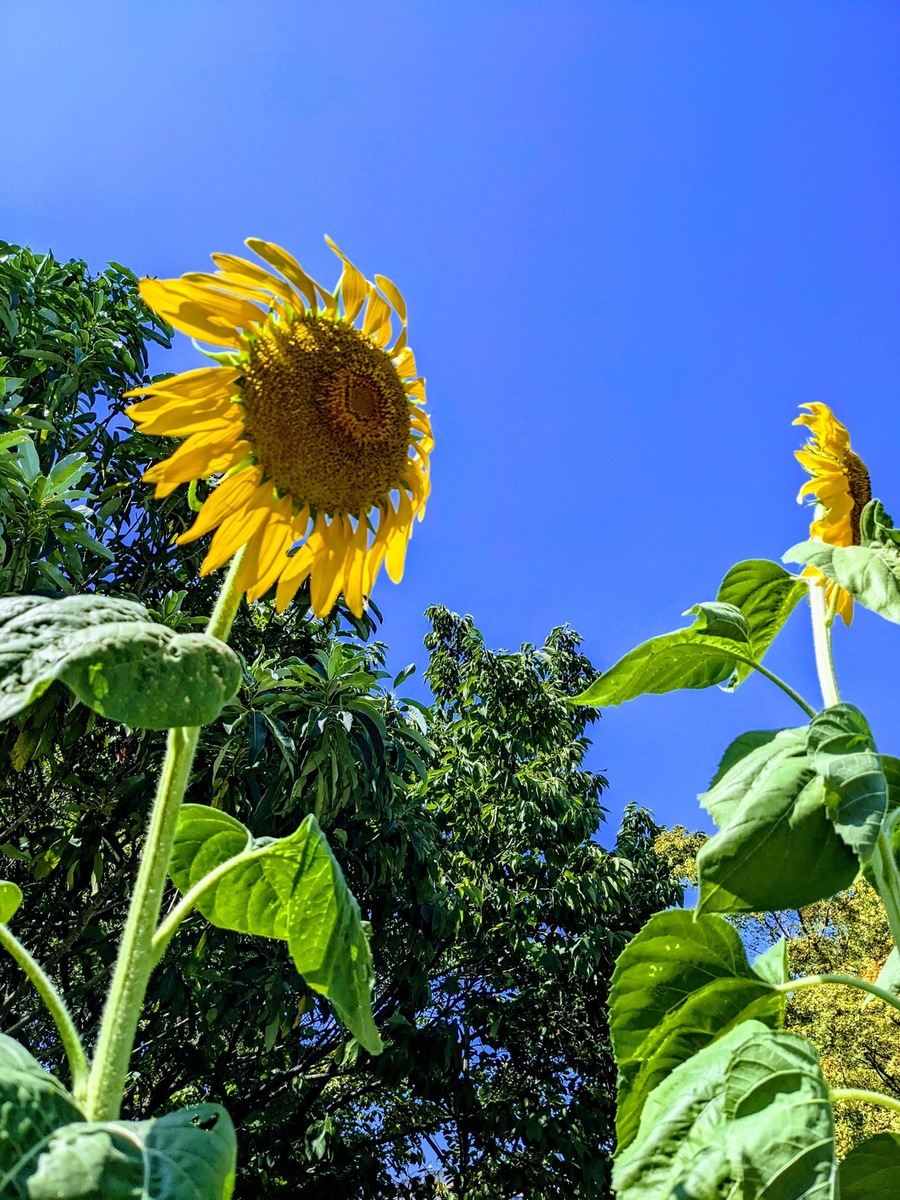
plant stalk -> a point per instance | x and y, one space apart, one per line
136 959
822 644
853 981
57 1008
864 1097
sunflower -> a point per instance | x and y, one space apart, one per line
312 423
840 488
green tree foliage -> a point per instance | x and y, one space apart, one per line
466 828
857 1038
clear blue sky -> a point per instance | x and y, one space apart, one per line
633 237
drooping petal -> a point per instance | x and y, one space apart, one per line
200 312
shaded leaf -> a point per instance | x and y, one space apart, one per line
871 1171
842 750
679 984
291 889
871 574
748 1115
115 661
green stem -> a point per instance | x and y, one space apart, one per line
822 643
863 1097
844 980
188 902
777 680
56 1006
136 959
887 878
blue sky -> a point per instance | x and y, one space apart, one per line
633 238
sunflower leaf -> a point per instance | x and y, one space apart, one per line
777 846
291 889
871 1170
766 594
871 574
687 658
10 899
678 985
114 659
748 1115
185 1155
842 751
875 526
32 1105
720 620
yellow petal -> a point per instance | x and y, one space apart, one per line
355 568
398 538
237 530
377 320
296 573
266 557
200 455
199 312
236 270
193 385
393 294
327 574
287 265
181 421
232 495
353 284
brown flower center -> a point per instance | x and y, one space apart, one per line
860 487
326 414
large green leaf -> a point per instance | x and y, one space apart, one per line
185 1155
777 846
292 889
766 595
842 750
114 659
32 1105
871 1171
748 1116
679 984
688 658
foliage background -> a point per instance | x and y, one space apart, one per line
634 236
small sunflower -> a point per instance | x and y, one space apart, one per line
313 423
840 489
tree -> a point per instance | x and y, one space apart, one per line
845 935
466 829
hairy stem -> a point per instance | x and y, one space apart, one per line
861 1096
57 1008
136 959
844 980
822 643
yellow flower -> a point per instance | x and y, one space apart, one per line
840 489
313 422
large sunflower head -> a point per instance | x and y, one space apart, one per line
312 423
839 488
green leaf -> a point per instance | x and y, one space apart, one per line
32 1105
777 847
875 526
766 595
746 765
842 750
888 976
184 1155
748 1116
720 620
688 658
114 659
871 574
871 1170
10 899
772 964
741 747
291 889
678 985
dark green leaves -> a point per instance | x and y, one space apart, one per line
842 751
114 660
870 572
777 846
749 1115
766 595
185 1155
688 658
291 889
871 1170
679 984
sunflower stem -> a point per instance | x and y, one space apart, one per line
861 1096
56 1007
822 645
805 981
137 958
